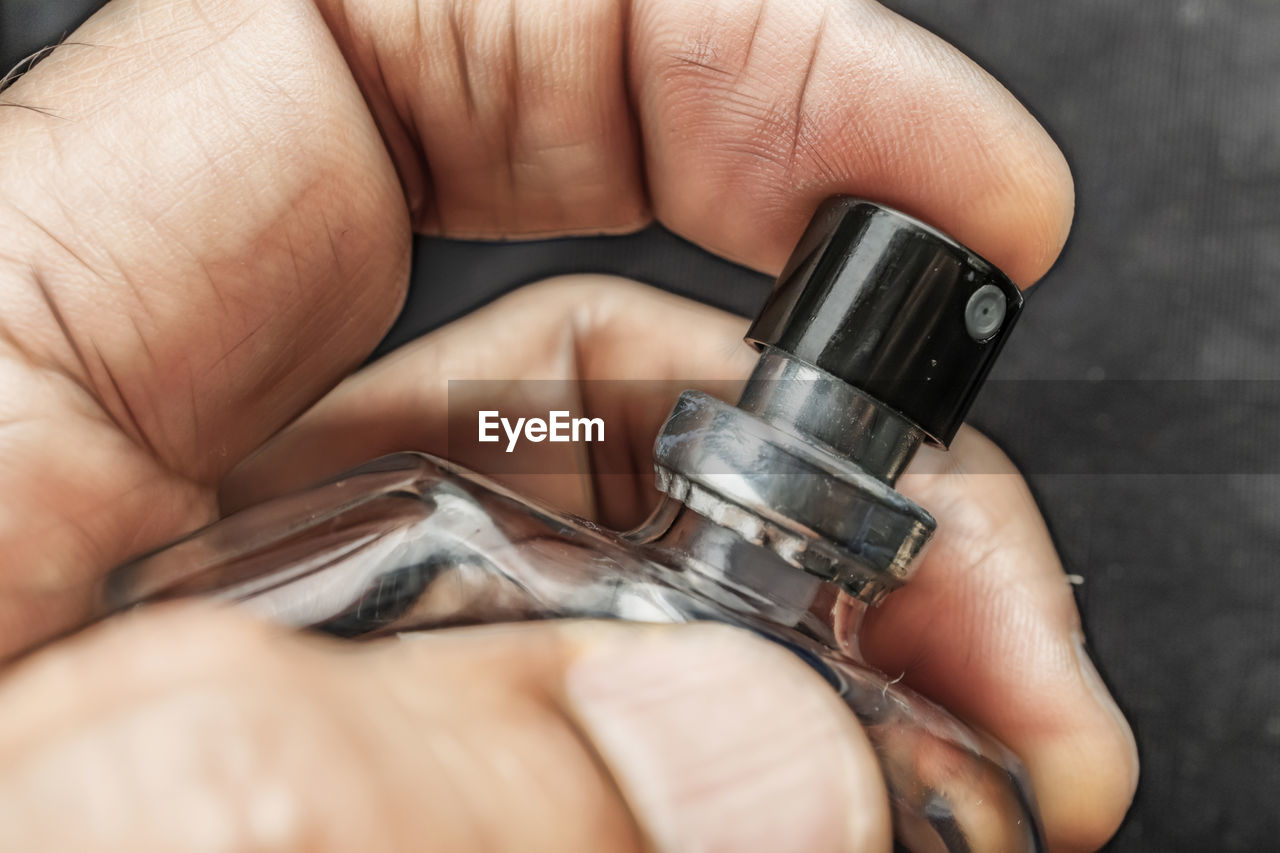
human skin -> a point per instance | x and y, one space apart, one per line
207 210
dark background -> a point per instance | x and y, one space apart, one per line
1139 393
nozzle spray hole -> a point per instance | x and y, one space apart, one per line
985 312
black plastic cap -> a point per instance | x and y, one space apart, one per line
893 307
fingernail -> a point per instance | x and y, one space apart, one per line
723 742
1093 680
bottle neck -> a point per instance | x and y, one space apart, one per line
747 577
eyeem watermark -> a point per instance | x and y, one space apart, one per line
558 427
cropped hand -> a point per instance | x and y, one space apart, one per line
207 209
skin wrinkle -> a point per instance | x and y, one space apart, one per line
501 116
137 290
634 127
423 201
573 341
24 355
133 429
80 399
460 53
798 121
34 282
401 136
511 115
636 828
753 36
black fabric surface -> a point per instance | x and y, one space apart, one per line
1140 392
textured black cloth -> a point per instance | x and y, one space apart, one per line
1139 392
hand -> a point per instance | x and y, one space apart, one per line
207 217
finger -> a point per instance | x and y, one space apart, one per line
557 737
988 627
515 119
814 96
647 344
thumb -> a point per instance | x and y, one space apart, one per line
189 729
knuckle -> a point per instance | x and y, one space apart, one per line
533 102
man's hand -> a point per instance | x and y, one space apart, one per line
207 216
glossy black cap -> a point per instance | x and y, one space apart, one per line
894 308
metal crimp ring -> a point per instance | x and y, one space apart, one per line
817 511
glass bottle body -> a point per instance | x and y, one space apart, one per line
409 542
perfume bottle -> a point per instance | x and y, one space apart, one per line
777 515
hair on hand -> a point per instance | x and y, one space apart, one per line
25 65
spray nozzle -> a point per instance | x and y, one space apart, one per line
876 339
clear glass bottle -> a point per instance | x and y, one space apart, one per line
778 515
